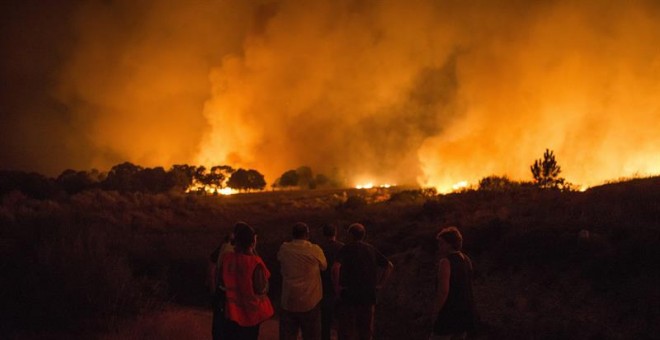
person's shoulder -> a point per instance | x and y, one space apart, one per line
354 247
227 256
318 248
337 244
366 245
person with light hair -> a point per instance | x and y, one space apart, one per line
454 312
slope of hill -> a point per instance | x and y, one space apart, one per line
549 264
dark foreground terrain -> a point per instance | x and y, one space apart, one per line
549 264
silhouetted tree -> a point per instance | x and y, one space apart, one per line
121 177
73 181
496 183
546 171
200 174
153 180
31 184
218 175
305 177
182 175
288 179
321 180
250 179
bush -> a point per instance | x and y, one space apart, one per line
496 183
353 202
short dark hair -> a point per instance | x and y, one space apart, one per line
452 236
239 225
231 238
329 230
300 230
244 236
357 231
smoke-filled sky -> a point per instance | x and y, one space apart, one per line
428 92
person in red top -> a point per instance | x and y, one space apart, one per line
245 279
218 291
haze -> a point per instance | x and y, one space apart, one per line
408 92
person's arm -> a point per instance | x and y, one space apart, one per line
336 269
386 267
469 263
323 262
259 281
211 277
389 268
212 270
279 253
444 272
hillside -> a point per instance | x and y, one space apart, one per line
549 264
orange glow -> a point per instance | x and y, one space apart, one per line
370 185
196 186
425 93
459 186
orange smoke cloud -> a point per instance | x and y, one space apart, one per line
426 92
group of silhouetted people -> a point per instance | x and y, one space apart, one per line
327 283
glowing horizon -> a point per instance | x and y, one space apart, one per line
431 93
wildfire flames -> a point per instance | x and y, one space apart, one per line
429 93
197 186
458 186
370 185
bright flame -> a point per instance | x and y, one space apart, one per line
227 191
460 185
432 92
370 185
197 186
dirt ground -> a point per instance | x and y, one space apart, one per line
179 322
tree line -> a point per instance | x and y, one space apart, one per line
129 177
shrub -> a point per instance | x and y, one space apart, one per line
353 202
546 171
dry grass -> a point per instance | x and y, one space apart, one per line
104 262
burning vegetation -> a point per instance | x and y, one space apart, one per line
225 180
430 93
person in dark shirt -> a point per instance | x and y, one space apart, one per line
358 272
331 248
455 313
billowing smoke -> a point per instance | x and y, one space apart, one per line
428 92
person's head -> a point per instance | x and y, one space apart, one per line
300 231
329 230
450 239
357 231
245 236
237 226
